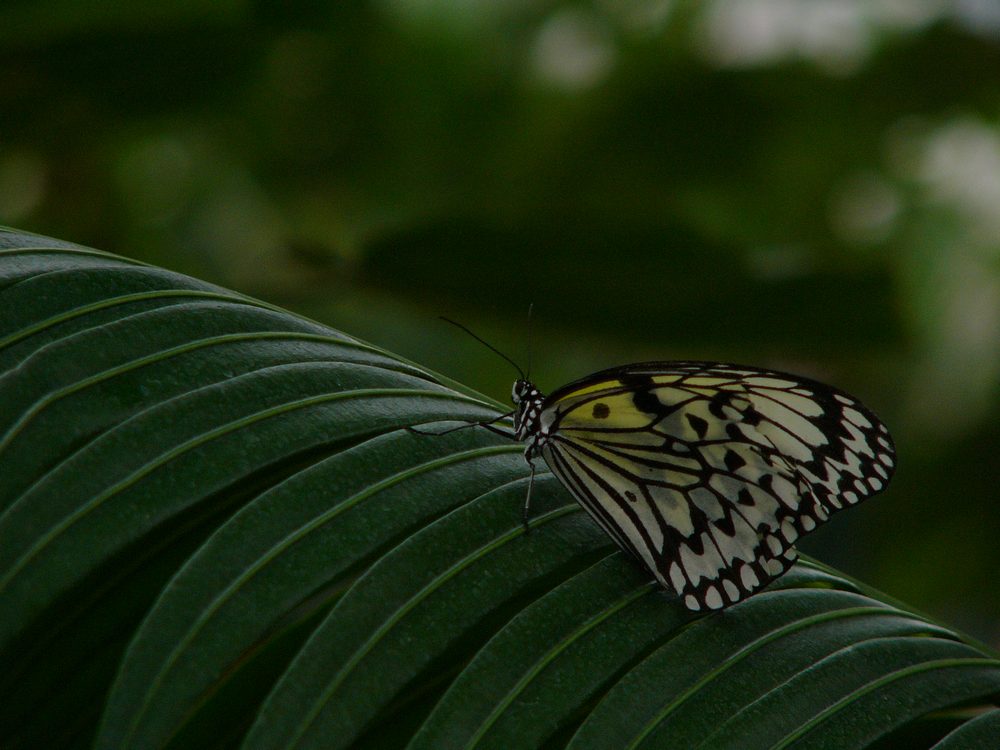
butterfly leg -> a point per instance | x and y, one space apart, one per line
527 498
488 424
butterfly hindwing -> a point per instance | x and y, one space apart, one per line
708 473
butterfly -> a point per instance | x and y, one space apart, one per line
706 473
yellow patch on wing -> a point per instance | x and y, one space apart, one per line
586 390
577 412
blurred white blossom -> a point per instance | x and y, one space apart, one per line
836 34
573 50
951 269
961 169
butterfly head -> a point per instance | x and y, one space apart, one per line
527 402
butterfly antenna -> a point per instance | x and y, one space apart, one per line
531 307
488 345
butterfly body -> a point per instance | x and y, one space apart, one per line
706 473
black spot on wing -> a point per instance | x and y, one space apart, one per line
699 425
636 380
697 544
726 525
717 404
734 461
648 403
601 410
733 432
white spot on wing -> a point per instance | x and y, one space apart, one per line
677 577
788 531
774 544
731 590
713 598
857 418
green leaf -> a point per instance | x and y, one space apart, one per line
216 530
978 732
290 552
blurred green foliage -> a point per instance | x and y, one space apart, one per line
807 184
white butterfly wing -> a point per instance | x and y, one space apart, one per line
708 473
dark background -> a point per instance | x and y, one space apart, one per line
812 185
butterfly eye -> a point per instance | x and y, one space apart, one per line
521 390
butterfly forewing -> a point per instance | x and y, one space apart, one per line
708 473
